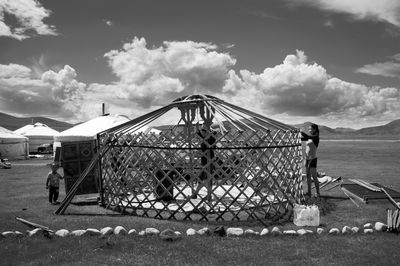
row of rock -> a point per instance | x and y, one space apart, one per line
170 235
368 228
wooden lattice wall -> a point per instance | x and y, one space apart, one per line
252 175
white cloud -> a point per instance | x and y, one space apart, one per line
154 76
228 45
29 15
56 94
298 89
383 10
151 77
293 91
148 77
63 84
386 69
14 70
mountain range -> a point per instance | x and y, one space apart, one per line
388 131
12 123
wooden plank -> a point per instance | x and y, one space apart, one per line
397 224
371 186
368 195
33 225
393 218
365 184
347 193
350 198
389 218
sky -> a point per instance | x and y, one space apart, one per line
331 62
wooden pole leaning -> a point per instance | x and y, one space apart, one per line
34 225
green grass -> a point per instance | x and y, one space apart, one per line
23 194
375 249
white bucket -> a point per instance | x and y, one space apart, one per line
306 215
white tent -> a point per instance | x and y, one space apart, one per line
38 134
12 145
88 130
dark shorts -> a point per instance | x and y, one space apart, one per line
311 163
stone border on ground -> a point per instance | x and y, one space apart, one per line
171 235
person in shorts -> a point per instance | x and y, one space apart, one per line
312 141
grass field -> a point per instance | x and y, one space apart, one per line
23 194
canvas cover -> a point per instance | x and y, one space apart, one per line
89 130
12 145
37 134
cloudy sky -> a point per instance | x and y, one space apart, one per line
333 62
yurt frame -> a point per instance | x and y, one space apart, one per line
236 165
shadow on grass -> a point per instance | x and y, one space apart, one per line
95 214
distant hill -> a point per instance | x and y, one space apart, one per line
388 131
323 130
344 130
12 123
390 128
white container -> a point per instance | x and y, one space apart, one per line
306 215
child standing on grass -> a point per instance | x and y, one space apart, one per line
53 183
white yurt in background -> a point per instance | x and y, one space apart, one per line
89 129
37 134
13 146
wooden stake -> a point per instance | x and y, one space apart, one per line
34 225
397 225
389 219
